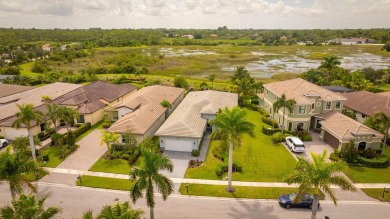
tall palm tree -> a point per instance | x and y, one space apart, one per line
147 176
380 121
27 207
231 125
69 115
26 116
13 169
54 114
282 102
318 175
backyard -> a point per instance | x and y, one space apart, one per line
261 160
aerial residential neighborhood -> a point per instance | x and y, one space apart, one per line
194 109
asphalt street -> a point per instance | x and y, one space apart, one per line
76 200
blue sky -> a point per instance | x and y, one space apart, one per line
258 14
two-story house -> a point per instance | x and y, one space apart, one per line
310 100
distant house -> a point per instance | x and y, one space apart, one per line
184 129
351 41
142 114
310 100
3 78
213 35
338 89
364 104
47 48
337 130
188 36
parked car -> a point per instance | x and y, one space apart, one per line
3 143
288 202
295 144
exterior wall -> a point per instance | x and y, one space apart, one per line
123 111
94 117
11 133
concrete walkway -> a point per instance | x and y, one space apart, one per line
88 153
202 181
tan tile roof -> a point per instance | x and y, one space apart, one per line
8 105
300 90
367 103
150 94
343 127
9 89
386 93
187 120
148 100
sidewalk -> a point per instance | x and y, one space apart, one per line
204 181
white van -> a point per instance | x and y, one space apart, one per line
295 144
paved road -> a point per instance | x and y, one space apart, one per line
88 153
75 200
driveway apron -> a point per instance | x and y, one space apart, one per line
87 154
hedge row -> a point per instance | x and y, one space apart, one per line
270 122
279 137
382 162
223 167
58 139
270 131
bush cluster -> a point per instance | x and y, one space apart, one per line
270 131
60 139
279 137
270 122
262 111
194 163
303 135
195 153
382 162
223 167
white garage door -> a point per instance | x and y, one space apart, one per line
179 144
12 133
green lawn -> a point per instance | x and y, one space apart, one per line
262 161
241 191
54 160
377 194
119 166
105 183
360 174
26 70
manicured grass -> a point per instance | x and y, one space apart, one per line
261 160
98 125
360 174
105 183
53 153
241 191
377 194
119 166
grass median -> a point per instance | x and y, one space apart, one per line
377 194
105 183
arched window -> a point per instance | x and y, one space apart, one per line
362 146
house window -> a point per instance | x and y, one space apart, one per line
338 105
42 126
302 109
364 116
312 106
115 115
81 119
328 105
362 146
123 139
290 126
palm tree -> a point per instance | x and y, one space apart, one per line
27 207
54 114
13 169
231 125
119 210
26 116
380 122
318 175
147 176
329 62
69 115
284 103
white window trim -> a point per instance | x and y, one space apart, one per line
326 105
299 113
335 105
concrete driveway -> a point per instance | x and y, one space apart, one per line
87 154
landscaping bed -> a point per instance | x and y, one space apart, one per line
261 160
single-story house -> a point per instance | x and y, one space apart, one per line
5 77
337 130
141 113
364 104
184 129
10 89
89 100
8 106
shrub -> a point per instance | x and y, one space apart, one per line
195 153
221 151
71 140
335 157
45 158
223 167
307 137
82 129
270 131
181 82
303 135
106 124
133 157
255 101
279 137
262 111
57 139
349 152
125 156
194 163
270 122
382 162
368 153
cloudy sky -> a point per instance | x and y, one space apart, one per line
258 14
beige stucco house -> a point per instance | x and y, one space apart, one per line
184 129
141 113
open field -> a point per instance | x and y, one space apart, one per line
200 61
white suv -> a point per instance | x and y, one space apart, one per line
3 143
295 144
